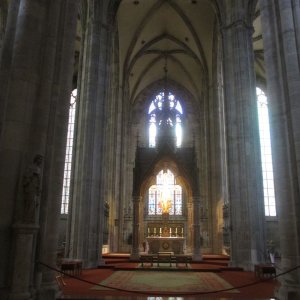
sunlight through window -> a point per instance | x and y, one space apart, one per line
155 109
266 153
165 190
68 157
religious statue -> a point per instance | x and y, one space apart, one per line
32 189
165 206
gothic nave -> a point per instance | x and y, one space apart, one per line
148 126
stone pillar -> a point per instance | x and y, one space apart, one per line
64 22
20 79
196 229
245 192
88 197
188 228
218 186
37 71
24 235
281 26
135 228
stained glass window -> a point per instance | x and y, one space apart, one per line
266 153
156 107
68 157
165 190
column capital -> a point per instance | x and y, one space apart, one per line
240 23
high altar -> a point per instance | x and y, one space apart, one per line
166 239
166 244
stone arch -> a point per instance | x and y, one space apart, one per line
174 167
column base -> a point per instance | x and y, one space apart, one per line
101 262
48 291
20 296
288 292
246 266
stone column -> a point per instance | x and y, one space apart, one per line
245 192
188 228
24 235
281 26
196 229
20 78
135 228
38 70
88 197
7 36
65 24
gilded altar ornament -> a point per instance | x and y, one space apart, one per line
165 205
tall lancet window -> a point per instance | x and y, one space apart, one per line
266 153
165 196
165 107
68 157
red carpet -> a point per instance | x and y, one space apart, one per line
169 282
263 290
76 289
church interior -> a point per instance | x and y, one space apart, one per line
150 132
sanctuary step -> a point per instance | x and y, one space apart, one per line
210 262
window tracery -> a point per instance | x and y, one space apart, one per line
165 111
165 194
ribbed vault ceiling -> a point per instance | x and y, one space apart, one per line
155 33
173 33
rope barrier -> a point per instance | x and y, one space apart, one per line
171 293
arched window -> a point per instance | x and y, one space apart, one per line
165 195
167 110
266 153
68 157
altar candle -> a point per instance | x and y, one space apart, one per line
154 230
170 230
148 231
176 230
159 229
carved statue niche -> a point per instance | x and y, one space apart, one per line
32 190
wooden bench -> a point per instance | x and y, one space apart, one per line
147 259
164 258
264 271
181 259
